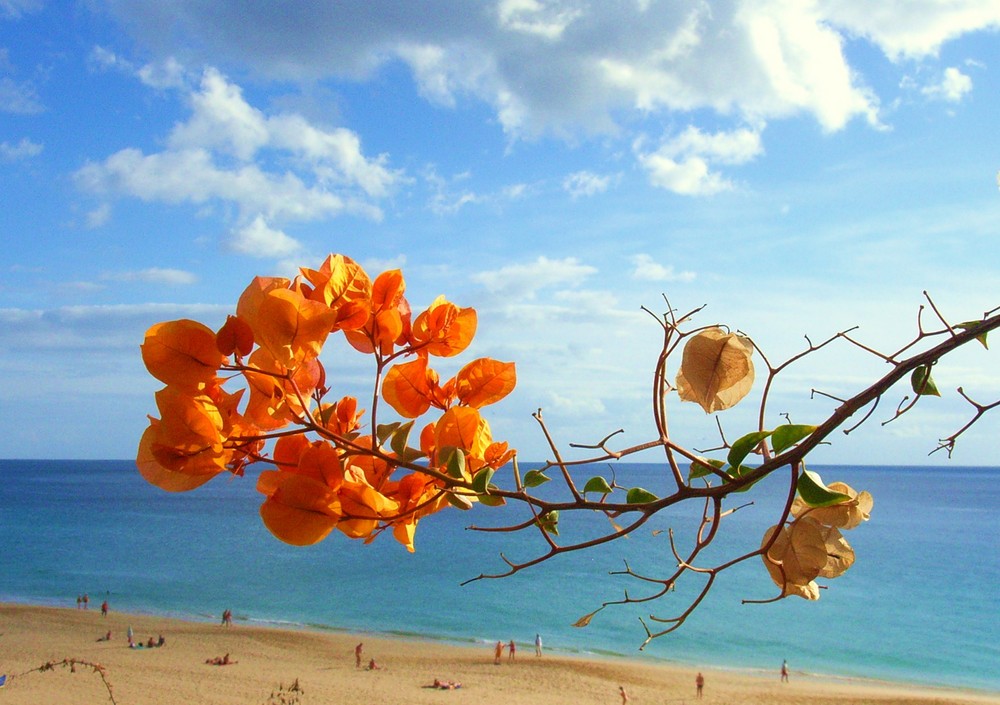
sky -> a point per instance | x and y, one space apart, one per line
796 167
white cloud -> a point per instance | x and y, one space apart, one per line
585 183
218 154
154 275
25 149
13 9
914 29
257 239
682 164
547 20
98 216
647 269
168 73
19 98
953 86
524 281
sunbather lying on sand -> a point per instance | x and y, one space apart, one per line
441 684
220 661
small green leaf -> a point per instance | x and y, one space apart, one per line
788 435
534 478
637 495
814 493
481 481
384 430
460 501
739 472
491 500
597 484
399 437
700 468
981 337
743 446
454 462
922 383
550 522
409 455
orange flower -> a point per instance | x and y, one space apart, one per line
444 329
182 353
484 381
289 326
343 285
389 319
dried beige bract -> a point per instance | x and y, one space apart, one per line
798 555
716 370
846 515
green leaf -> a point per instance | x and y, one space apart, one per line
409 455
742 447
738 472
637 495
460 501
454 462
788 435
491 500
922 383
534 478
384 430
481 480
971 324
700 468
550 522
814 493
597 484
400 436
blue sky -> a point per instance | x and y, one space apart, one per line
798 167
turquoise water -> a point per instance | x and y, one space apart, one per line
919 605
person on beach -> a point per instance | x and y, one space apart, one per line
444 684
372 666
784 671
699 683
621 692
357 654
79 602
86 600
497 653
220 661
104 608
538 644
106 637
511 648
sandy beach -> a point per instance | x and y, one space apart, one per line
324 665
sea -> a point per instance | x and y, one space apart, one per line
919 606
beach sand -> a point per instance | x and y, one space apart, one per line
324 664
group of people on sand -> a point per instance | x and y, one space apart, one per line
150 643
227 618
372 666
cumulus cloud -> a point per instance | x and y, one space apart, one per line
645 268
682 163
257 239
524 281
952 87
25 149
562 65
221 153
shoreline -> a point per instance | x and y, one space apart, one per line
323 662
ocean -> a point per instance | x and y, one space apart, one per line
919 605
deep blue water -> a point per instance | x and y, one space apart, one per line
919 605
